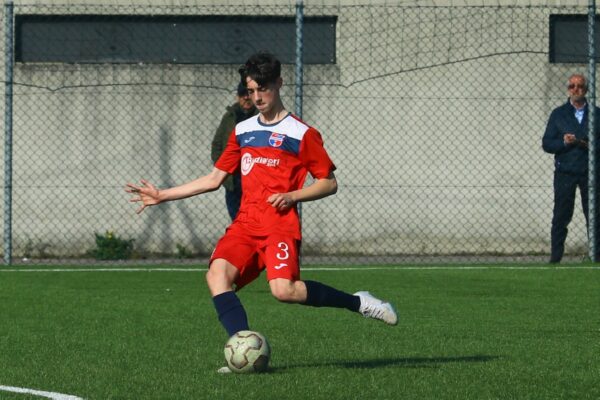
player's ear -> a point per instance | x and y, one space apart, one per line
279 83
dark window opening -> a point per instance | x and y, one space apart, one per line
169 39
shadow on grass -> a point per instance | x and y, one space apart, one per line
408 362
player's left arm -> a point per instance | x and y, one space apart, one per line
316 160
317 190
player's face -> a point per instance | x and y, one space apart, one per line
264 97
577 88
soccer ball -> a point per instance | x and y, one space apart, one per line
247 351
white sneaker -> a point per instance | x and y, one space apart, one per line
372 307
224 370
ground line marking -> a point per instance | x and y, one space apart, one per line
49 395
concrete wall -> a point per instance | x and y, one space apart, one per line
433 116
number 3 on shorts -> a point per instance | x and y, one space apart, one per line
281 257
283 253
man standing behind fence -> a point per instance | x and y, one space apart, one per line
241 110
566 137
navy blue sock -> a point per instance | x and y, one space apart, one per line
320 295
231 312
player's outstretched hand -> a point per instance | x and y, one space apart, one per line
281 201
147 193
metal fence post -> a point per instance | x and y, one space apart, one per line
8 125
299 66
591 131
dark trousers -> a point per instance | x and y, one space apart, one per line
565 188
233 197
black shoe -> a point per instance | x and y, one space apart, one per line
554 261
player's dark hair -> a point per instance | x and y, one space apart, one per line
261 67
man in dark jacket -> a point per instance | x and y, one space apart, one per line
566 137
237 112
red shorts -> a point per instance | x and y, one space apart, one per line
278 254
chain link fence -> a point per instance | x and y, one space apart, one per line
433 115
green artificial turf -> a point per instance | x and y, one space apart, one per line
487 332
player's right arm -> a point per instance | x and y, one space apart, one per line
149 195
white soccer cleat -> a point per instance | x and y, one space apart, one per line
224 370
372 307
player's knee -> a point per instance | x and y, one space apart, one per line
220 277
210 277
282 295
283 291
214 279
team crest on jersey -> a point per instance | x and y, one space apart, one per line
276 139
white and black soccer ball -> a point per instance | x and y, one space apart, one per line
247 351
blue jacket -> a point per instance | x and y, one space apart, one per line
572 158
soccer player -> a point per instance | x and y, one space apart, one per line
274 151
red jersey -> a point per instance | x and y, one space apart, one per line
273 159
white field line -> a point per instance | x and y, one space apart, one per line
41 393
321 269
